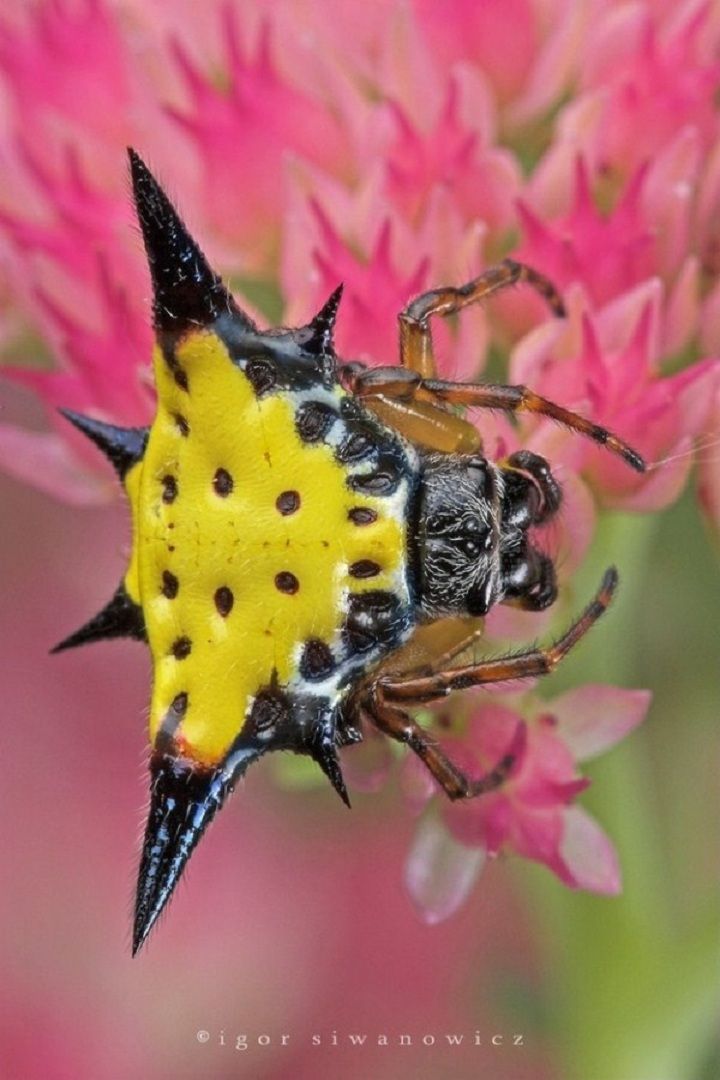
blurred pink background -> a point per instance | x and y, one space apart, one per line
293 918
394 147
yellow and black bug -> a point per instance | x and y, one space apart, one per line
313 541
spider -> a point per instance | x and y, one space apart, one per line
314 542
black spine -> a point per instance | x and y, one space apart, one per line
124 447
121 617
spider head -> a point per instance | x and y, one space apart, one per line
459 535
473 544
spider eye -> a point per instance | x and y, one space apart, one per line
470 547
475 545
439 523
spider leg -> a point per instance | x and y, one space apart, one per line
396 723
432 647
519 399
384 701
389 393
411 387
428 424
415 402
416 349
456 649
539 661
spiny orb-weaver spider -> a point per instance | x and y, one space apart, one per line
313 541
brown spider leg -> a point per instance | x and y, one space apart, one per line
404 395
387 381
451 642
457 649
520 399
396 723
416 349
391 396
428 425
389 392
419 691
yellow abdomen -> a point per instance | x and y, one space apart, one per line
252 537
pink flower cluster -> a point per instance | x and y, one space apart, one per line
533 813
393 147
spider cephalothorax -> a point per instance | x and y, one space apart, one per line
471 533
296 520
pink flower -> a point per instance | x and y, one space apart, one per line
393 149
68 71
709 470
500 37
533 813
251 128
607 253
641 83
481 179
337 236
391 191
377 290
76 273
607 366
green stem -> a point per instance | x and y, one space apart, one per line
630 989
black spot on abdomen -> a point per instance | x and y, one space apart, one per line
286 582
261 373
364 568
223 483
271 709
224 600
313 420
375 618
356 447
170 489
317 661
362 515
170 585
384 479
288 502
181 648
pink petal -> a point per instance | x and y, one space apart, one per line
506 623
497 37
416 783
483 181
612 40
440 872
589 857
682 310
619 319
695 388
665 480
709 471
249 130
595 717
646 102
710 321
537 834
46 462
405 68
554 63
366 767
547 778
668 196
